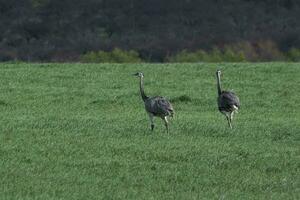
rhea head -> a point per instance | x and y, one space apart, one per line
139 74
218 72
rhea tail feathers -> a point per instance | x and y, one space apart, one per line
235 108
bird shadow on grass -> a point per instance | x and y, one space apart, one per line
182 98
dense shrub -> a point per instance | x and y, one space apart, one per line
263 50
233 56
215 55
185 56
267 50
238 52
121 56
293 55
245 49
115 56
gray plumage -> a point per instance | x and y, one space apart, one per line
158 106
228 102
155 106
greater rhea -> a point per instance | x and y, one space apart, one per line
155 106
228 102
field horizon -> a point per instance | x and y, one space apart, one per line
80 131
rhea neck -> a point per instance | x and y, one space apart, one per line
144 97
219 84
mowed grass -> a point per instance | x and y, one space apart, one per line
80 131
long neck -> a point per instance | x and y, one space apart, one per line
219 84
144 97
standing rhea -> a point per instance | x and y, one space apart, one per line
228 102
155 106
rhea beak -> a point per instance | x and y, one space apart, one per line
136 74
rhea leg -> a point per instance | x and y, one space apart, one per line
228 117
166 123
151 121
231 116
229 120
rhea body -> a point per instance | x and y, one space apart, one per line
155 106
228 102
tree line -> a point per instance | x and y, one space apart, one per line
55 30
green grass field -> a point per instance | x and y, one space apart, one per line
80 131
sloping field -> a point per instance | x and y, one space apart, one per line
79 131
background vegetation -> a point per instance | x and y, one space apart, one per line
55 30
79 131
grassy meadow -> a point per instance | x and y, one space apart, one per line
80 131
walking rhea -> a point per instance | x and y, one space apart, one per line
155 106
228 102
